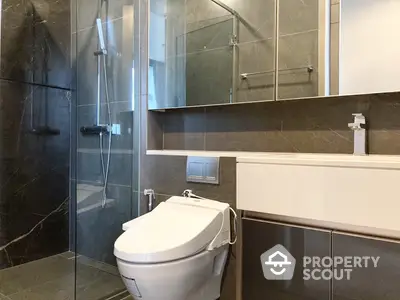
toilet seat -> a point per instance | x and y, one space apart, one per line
170 232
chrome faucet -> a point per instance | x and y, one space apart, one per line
151 199
360 136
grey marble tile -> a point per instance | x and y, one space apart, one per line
298 16
91 283
215 33
68 254
35 273
116 60
155 133
158 168
289 126
84 261
209 72
200 10
185 131
384 126
101 226
88 12
257 133
255 57
62 289
257 19
296 53
89 167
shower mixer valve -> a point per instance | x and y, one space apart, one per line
115 129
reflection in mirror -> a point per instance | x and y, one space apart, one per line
299 68
206 52
333 47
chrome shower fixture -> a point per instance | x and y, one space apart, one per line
102 45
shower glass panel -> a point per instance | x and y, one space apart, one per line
103 183
192 53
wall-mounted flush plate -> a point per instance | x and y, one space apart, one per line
202 169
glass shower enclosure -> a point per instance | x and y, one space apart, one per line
104 158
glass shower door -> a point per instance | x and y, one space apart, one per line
103 183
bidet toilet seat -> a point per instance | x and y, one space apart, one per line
173 230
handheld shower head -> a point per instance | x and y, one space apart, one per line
102 50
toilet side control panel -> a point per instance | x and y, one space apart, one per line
202 169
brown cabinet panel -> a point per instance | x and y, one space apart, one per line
368 283
260 236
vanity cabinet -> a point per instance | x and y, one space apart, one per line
258 237
369 283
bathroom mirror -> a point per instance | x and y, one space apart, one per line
198 48
205 52
337 47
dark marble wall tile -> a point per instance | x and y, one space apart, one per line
119 62
121 113
155 130
35 130
156 174
101 226
158 170
193 125
201 58
35 39
88 12
304 126
298 16
256 57
297 52
298 49
257 19
383 124
200 10
89 167
209 76
93 220
309 125
209 35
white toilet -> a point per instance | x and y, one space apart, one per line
176 252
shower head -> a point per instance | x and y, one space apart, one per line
100 33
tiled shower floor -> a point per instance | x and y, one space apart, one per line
53 278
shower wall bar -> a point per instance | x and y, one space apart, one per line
245 76
226 7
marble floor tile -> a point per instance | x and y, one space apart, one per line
22 277
54 278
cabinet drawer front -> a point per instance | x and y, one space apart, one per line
353 196
258 237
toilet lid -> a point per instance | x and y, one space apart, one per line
170 232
